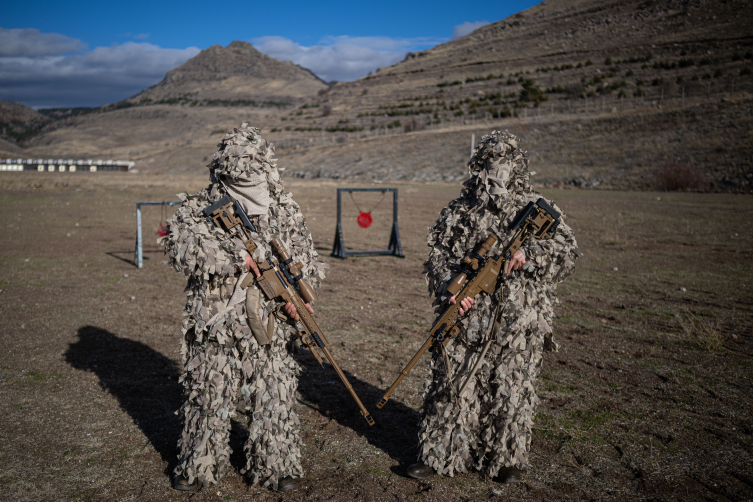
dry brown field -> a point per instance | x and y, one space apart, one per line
648 398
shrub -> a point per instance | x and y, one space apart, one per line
745 71
629 73
532 92
589 63
674 177
718 73
608 61
448 84
341 128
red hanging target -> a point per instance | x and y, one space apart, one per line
364 220
162 230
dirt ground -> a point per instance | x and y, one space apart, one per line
632 407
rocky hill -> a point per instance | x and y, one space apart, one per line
236 73
628 94
17 122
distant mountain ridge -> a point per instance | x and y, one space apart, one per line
237 72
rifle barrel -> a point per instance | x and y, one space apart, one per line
428 343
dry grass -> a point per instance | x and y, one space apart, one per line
702 334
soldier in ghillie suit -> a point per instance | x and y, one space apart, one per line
235 342
488 428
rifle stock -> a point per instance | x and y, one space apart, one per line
479 274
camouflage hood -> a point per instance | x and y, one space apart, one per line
245 167
498 169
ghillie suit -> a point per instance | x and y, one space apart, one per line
489 426
221 357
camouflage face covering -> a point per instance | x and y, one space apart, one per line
223 363
491 426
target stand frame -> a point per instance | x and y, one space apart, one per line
394 248
138 253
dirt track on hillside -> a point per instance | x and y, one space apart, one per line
631 408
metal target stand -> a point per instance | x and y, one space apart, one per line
394 248
138 253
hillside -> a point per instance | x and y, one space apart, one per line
604 94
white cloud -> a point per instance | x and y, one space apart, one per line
343 58
30 42
92 78
464 29
141 36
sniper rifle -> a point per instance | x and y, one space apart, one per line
278 280
481 273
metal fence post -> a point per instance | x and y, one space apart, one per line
139 250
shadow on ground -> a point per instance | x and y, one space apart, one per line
395 431
145 383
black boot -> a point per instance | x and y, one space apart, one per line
180 483
286 484
509 475
420 471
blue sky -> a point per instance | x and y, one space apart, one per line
86 53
